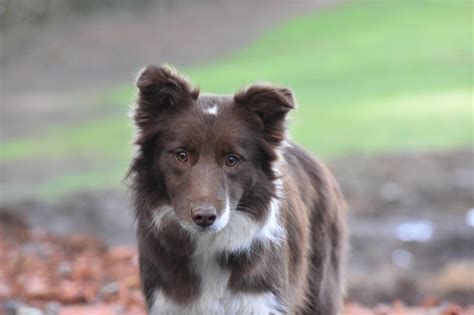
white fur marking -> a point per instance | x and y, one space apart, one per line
272 230
211 110
247 303
160 213
237 235
222 221
228 303
235 231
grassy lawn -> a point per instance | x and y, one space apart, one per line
371 76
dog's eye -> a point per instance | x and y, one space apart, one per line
231 160
182 156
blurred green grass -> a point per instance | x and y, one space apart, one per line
369 77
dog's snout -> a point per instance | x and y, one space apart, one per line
204 216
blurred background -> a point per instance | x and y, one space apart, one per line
385 95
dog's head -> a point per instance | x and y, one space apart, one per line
206 156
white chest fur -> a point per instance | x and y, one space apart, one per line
215 298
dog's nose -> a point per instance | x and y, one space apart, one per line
204 216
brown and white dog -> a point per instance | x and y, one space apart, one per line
232 218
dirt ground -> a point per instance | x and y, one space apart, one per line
408 220
79 275
411 235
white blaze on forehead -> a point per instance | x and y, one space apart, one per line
211 110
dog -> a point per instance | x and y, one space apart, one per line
232 217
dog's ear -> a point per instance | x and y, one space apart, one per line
270 104
161 88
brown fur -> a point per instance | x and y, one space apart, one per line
304 272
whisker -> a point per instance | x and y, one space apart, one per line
251 211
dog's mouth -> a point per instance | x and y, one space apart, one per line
221 223
202 230
218 224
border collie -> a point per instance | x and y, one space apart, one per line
232 218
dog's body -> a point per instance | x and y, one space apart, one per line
232 218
